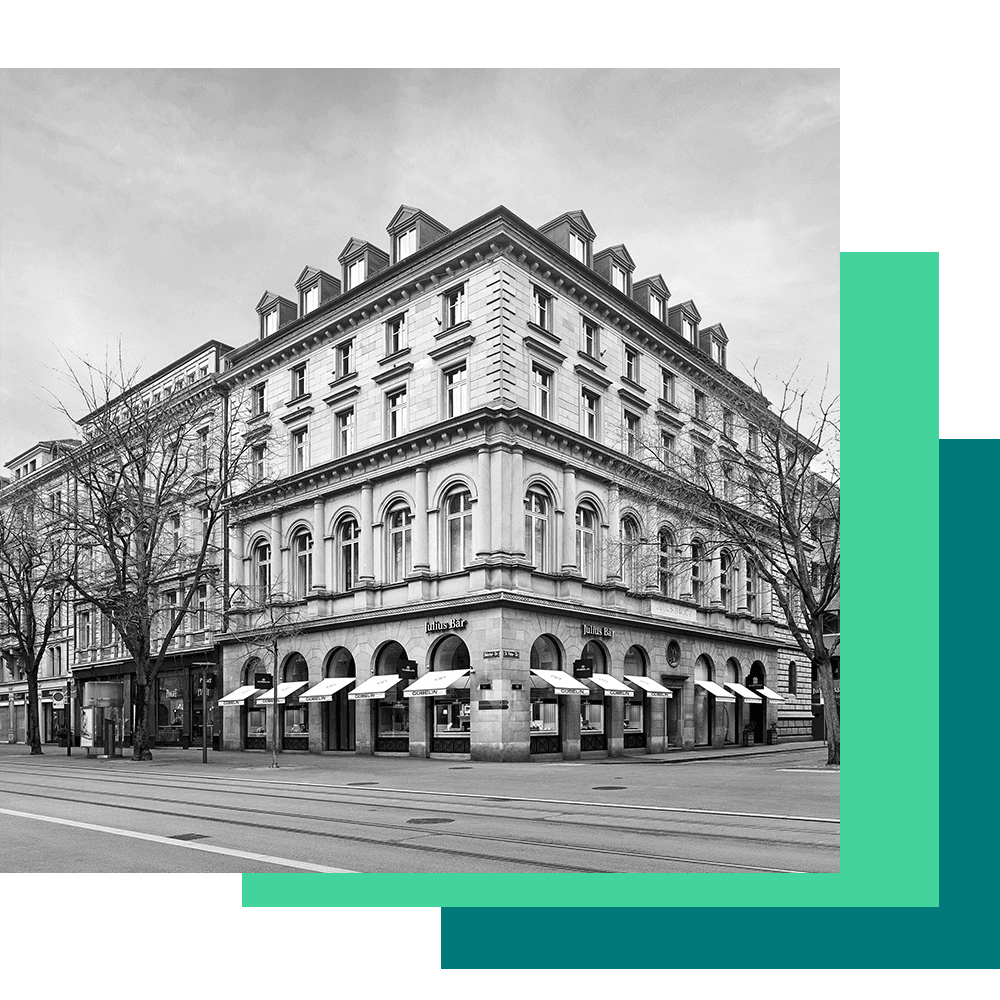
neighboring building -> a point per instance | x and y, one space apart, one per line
37 478
430 513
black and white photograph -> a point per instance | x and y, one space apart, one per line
428 470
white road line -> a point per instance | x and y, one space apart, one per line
809 770
189 845
263 782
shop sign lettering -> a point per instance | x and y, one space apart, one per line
447 626
601 631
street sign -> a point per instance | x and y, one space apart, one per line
263 682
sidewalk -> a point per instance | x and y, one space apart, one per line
252 760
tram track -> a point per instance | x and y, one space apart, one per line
513 842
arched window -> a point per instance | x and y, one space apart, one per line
630 552
726 574
793 678
697 583
348 534
544 722
458 531
302 562
400 523
666 562
586 541
262 571
536 530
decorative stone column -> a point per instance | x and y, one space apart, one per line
277 560
366 546
715 579
569 725
614 546
319 556
569 522
615 726
684 567
237 550
740 562
482 515
499 459
421 557
517 542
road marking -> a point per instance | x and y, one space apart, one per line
186 844
810 770
258 782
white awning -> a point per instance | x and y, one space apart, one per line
612 685
436 683
744 692
653 689
285 688
720 693
238 696
560 682
374 687
769 694
326 689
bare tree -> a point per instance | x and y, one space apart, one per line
35 564
151 482
776 500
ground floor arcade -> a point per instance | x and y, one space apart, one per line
497 680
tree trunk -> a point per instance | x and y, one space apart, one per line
831 714
140 732
34 730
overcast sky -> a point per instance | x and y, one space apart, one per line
155 207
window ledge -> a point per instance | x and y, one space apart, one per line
668 405
296 400
448 331
633 384
544 331
341 379
591 359
392 358
257 417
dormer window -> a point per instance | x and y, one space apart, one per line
310 300
618 278
406 243
690 331
270 322
578 247
357 272
719 352
658 307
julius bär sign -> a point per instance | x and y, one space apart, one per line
451 625
602 631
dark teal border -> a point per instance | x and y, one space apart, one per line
916 103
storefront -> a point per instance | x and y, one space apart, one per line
253 719
447 685
337 711
293 714
390 710
177 706
712 704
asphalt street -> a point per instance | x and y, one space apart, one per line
773 812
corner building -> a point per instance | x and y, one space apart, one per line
433 516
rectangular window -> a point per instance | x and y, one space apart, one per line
591 716
544 718
690 331
618 278
631 364
541 309
344 359
719 352
298 381
105 630
700 461
590 410
578 247
203 371
257 404
300 449
356 273
700 405
406 243
395 334
657 306
541 391
83 629
728 424
258 453
455 307
175 530
156 397
271 322
396 422
456 390
753 439
206 519
633 434
203 447
190 377
668 385
345 432
310 300
591 339
632 721
170 608
201 605
668 445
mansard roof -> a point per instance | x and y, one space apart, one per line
406 212
655 282
577 217
621 252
